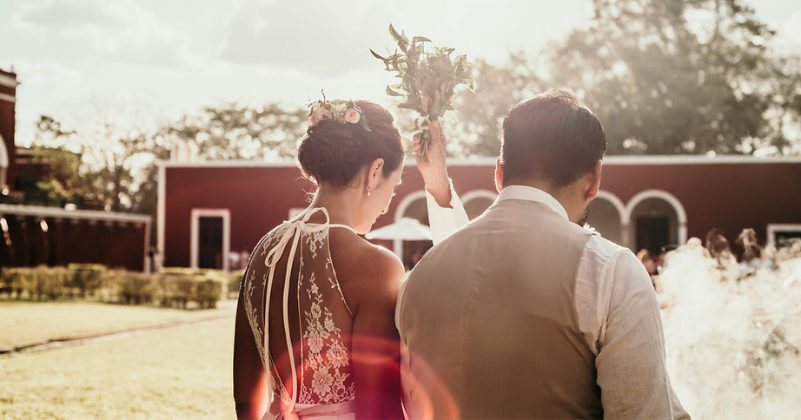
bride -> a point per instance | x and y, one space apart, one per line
315 333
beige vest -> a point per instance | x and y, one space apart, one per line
490 322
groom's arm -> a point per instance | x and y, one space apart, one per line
631 356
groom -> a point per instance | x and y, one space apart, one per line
524 314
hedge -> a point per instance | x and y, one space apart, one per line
172 287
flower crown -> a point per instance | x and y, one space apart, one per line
337 110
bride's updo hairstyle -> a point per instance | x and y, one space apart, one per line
334 151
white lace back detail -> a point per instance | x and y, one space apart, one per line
324 373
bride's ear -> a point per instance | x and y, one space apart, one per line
374 173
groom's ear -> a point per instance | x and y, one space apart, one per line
498 175
592 181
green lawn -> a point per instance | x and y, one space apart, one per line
175 373
24 322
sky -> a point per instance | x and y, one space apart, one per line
147 62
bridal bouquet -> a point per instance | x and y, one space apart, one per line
427 79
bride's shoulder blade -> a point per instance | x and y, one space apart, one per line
365 270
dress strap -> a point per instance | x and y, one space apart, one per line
292 233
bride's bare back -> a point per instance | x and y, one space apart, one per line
333 307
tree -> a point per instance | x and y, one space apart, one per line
663 76
101 167
481 114
678 76
111 166
234 131
61 174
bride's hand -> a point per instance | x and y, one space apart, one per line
433 166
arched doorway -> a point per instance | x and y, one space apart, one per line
477 201
605 214
656 219
414 206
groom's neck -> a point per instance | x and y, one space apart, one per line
568 196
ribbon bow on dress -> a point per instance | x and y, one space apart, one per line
293 232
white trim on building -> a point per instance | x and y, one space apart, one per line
774 228
397 244
4 161
59 213
674 202
696 160
194 238
8 98
615 201
8 81
490 161
226 164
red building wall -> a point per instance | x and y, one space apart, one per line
115 244
259 199
726 196
714 194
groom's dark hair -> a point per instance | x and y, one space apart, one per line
551 137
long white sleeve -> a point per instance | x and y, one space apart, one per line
445 221
619 317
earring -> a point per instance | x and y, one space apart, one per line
369 190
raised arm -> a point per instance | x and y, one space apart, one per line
445 211
631 361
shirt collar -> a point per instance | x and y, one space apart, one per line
521 192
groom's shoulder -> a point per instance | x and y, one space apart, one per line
606 250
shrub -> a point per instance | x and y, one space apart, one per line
40 283
135 288
13 278
175 288
234 282
52 283
207 293
88 278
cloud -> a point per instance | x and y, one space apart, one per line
788 34
323 38
71 16
121 30
43 73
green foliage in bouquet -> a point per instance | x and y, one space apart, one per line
427 78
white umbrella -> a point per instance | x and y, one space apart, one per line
406 229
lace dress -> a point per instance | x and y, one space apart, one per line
303 309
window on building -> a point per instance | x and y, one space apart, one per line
781 234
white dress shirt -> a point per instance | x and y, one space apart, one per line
618 315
